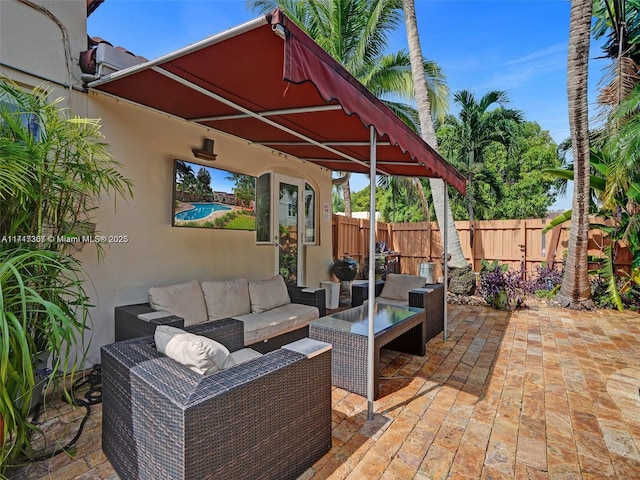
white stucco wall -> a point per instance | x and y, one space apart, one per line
32 41
146 143
156 253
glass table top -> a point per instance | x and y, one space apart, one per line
355 319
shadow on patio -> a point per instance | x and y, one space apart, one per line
538 393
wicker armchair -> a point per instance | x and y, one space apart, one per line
430 297
269 418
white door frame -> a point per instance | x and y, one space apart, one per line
279 178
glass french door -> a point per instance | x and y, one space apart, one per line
288 228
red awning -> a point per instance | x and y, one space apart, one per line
300 102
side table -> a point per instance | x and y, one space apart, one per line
128 325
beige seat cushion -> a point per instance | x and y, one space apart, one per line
201 354
244 355
184 300
226 299
279 320
397 286
268 294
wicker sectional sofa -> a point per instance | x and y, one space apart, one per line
268 418
272 313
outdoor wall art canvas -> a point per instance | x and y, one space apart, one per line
207 197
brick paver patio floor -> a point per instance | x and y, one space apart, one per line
534 394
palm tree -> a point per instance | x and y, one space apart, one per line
354 32
618 205
427 129
575 291
411 193
465 139
622 143
619 22
183 171
342 184
244 187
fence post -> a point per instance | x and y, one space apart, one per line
523 249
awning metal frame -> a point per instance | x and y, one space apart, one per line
257 116
372 164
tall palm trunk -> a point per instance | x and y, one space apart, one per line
438 190
346 191
423 199
575 291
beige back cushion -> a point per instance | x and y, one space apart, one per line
268 294
201 354
226 299
397 286
184 300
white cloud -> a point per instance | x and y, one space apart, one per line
539 65
559 49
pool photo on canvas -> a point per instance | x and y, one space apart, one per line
207 197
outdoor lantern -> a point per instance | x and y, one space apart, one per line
207 151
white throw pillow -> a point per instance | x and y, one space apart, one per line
201 354
268 294
397 286
184 300
226 299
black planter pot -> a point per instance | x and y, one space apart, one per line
345 269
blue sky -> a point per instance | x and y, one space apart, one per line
220 181
519 46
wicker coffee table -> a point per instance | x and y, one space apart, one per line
396 327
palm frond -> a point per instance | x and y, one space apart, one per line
608 274
379 18
618 81
406 113
559 220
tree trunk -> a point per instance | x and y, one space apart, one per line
346 191
423 199
429 134
575 291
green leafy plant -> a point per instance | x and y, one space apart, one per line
500 287
42 302
54 167
619 206
69 169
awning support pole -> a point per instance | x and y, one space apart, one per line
372 271
445 261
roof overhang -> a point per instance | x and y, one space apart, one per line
268 82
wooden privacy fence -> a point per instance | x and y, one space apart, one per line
518 243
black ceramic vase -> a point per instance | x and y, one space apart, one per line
345 269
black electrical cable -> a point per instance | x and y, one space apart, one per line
92 396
